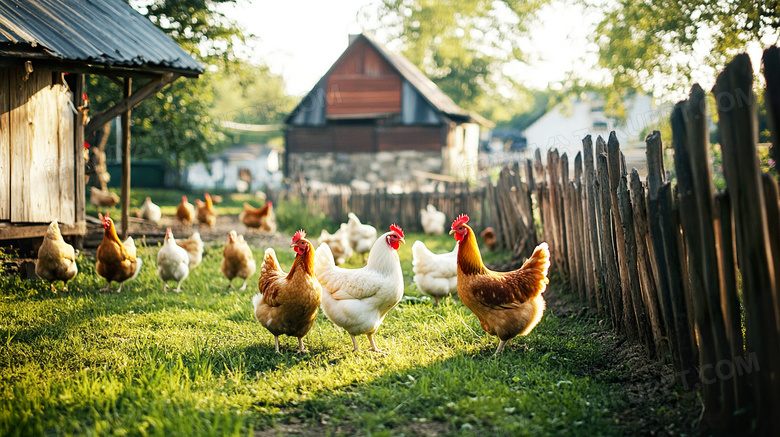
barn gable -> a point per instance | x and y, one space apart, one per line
368 81
372 114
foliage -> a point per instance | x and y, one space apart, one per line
176 124
251 94
641 39
143 362
461 44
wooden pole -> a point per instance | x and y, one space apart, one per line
614 171
592 223
739 137
128 90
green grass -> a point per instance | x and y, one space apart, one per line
144 362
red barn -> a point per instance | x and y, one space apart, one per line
374 113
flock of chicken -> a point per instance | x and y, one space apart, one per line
506 304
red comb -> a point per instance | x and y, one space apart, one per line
395 228
298 235
461 220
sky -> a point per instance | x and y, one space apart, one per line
301 39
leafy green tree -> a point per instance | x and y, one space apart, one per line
462 45
176 125
251 94
640 39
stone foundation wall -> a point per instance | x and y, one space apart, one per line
342 168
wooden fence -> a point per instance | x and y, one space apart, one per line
676 265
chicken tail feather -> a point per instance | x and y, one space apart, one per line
538 265
138 263
323 258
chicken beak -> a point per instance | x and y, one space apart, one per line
402 240
292 246
452 231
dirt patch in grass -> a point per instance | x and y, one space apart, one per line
655 405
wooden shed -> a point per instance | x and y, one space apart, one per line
372 111
46 48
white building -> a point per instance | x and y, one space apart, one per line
242 168
566 124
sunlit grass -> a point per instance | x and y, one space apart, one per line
144 362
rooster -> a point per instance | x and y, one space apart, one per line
359 299
288 302
361 237
194 248
237 259
432 220
207 215
262 219
116 260
435 274
184 212
338 243
506 304
172 262
56 258
150 211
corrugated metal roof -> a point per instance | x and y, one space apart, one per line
107 33
429 91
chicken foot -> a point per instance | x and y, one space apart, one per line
501 345
276 343
243 287
373 345
301 348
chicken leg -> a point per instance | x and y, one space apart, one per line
354 343
501 345
276 343
373 345
301 348
243 287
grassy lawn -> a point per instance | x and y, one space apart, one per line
145 362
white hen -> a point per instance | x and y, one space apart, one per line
172 262
433 221
338 243
151 212
435 274
361 237
359 299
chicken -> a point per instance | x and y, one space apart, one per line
432 220
489 237
151 212
263 219
116 260
506 304
361 237
101 198
206 213
56 258
359 299
237 259
194 248
435 275
287 302
338 243
172 262
184 212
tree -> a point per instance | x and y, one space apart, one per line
461 45
252 94
176 124
643 39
